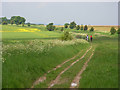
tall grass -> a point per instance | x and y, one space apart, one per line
21 69
102 70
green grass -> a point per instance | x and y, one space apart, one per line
52 75
10 34
28 67
24 64
68 76
102 70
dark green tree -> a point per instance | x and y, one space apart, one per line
28 24
18 20
85 27
82 27
112 30
78 27
118 31
72 25
11 22
62 28
3 20
91 29
4 23
66 25
23 24
50 27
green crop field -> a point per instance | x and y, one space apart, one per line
33 32
35 57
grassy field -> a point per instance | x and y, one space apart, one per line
30 52
33 32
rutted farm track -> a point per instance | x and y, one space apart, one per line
55 77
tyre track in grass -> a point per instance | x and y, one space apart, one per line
43 78
52 83
76 81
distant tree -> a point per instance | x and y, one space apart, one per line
0 20
118 31
78 27
23 24
72 25
66 25
4 23
50 23
85 27
112 30
28 24
18 20
62 28
8 21
82 27
3 20
11 22
91 29
50 27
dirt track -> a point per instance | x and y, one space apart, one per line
43 78
52 83
75 82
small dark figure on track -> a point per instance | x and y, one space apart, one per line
91 38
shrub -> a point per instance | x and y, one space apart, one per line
118 31
77 27
81 36
91 29
85 27
66 36
113 30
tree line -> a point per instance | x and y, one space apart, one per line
72 25
13 20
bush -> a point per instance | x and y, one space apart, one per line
66 36
81 36
113 30
91 29
85 27
77 27
118 31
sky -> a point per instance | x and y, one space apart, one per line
90 13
